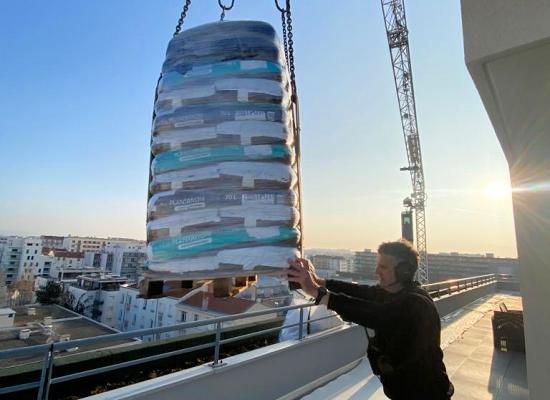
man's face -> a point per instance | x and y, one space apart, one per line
385 269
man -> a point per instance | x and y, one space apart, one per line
405 352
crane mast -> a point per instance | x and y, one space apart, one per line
398 41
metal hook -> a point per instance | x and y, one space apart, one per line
225 8
282 10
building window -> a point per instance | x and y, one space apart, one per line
195 317
27 252
36 252
183 316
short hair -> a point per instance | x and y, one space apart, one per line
402 250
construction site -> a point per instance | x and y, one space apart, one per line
227 305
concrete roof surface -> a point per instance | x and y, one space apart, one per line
477 370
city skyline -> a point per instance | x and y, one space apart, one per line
314 250
80 164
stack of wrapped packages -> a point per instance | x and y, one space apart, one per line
223 194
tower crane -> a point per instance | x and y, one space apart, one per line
398 41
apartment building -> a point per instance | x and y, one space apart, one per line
329 265
52 242
84 244
32 261
95 296
444 266
123 259
11 249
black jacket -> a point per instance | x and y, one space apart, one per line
405 351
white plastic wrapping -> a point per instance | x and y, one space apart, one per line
223 188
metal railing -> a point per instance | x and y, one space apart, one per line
438 289
49 351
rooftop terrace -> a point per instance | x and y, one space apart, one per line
477 370
64 322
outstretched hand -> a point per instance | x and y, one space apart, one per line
301 271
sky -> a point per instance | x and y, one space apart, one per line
77 83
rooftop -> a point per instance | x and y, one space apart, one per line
221 305
477 370
52 252
6 311
64 322
332 363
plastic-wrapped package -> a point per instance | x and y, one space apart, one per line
223 188
247 259
247 216
190 73
217 42
187 158
211 114
234 132
200 242
173 202
229 175
229 90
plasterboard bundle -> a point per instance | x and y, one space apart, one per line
223 190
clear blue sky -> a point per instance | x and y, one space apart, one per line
77 81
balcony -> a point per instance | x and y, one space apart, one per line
349 341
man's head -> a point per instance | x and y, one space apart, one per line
397 262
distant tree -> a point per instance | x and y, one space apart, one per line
50 294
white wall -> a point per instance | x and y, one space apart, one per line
7 316
507 51
137 313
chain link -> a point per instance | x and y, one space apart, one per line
290 48
285 43
225 8
182 16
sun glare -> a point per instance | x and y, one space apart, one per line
497 190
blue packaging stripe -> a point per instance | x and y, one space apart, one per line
191 72
210 240
173 160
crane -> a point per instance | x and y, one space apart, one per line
398 41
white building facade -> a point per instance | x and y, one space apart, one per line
11 249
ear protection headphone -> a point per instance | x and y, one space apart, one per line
404 271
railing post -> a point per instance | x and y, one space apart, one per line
217 345
301 326
46 375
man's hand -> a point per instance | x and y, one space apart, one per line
302 271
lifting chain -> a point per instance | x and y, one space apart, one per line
283 23
290 48
288 42
182 16
225 8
